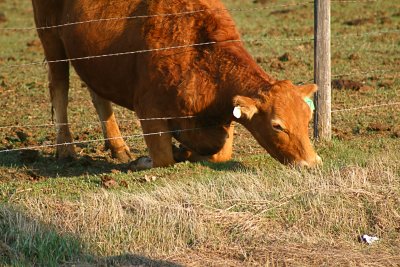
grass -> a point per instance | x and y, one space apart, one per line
250 211
26 241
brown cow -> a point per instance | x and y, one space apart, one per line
217 84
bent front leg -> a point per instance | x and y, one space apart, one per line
225 154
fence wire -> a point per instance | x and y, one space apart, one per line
109 139
163 132
93 122
264 39
17 126
366 107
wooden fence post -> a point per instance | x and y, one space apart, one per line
322 69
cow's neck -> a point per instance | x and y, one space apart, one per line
234 72
241 76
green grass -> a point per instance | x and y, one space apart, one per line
250 211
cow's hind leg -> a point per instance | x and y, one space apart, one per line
59 86
111 132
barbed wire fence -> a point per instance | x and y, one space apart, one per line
178 15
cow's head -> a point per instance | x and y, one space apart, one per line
279 120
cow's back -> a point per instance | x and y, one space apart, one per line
136 78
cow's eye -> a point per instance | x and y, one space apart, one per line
277 127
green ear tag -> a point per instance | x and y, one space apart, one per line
310 103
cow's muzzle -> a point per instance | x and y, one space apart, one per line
317 161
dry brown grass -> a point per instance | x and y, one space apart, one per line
290 217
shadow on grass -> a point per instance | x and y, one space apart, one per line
26 241
44 165
47 166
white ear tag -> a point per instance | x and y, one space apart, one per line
237 112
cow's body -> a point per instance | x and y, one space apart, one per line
200 81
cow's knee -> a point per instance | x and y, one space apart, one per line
224 154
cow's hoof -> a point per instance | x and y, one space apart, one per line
123 155
66 153
141 163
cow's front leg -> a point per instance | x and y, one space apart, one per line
182 153
111 132
159 143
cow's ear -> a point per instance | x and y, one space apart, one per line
307 90
244 107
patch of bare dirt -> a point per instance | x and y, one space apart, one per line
3 17
17 138
108 182
34 45
19 175
280 12
386 21
378 127
358 22
354 56
386 83
33 176
304 46
276 64
261 60
263 2
341 134
341 84
279 62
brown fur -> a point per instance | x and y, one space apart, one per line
202 81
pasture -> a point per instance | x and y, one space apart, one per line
250 211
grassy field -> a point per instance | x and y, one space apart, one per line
250 211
